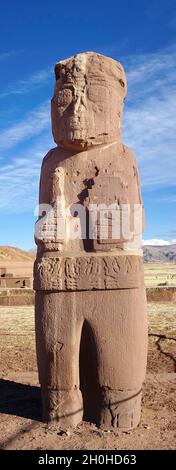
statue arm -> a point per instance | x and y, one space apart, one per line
134 165
43 200
44 180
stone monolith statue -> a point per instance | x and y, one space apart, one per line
91 332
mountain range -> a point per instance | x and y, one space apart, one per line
159 254
152 254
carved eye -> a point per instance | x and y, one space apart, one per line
64 97
57 72
96 93
121 82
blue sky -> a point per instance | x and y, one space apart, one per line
35 35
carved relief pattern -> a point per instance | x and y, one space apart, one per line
119 272
88 273
82 273
48 273
111 271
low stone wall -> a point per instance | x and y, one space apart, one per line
161 294
16 297
10 282
22 297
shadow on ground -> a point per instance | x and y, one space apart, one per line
20 400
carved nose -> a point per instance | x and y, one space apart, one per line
76 104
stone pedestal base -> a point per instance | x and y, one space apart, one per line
117 409
121 410
64 406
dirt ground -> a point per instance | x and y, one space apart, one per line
20 405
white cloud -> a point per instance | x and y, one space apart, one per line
158 242
6 55
150 118
36 122
19 179
155 242
25 86
171 199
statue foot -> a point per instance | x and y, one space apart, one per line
64 406
120 409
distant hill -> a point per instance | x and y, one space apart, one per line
159 254
152 254
11 253
33 251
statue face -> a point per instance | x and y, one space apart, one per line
88 101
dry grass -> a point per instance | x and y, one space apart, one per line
17 339
17 336
159 273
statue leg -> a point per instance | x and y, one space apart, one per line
120 331
58 357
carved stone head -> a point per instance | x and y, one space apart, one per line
88 101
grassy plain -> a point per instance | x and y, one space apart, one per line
160 273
